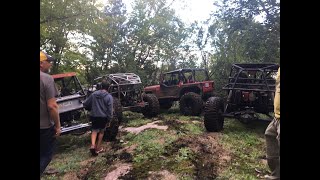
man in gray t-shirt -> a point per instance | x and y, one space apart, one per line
49 115
47 92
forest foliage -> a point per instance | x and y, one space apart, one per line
94 39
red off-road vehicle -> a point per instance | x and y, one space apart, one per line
190 86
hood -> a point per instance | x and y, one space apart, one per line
151 87
100 94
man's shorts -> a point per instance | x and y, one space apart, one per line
98 123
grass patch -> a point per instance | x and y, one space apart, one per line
184 153
246 144
137 122
184 124
156 149
150 150
193 129
184 118
129 116
133 119
150 138
180 160
98 169
69 143
71 150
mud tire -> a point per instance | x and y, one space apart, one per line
112 131
153 107
191 104
165 104
117 109
213 118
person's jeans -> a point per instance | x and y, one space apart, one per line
272 135
47 145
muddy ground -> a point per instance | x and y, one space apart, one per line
209 157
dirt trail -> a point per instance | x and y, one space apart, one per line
121 169
70 176
137 130
164 175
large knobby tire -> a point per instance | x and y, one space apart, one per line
165 104
112 130
191 104
117 109
153 107
213 114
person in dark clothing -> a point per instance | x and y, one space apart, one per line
100 105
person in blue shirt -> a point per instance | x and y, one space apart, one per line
100 105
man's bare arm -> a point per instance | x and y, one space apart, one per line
54 114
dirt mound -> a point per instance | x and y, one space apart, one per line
164 175
121 169
130 149
70 176
87 162
210 158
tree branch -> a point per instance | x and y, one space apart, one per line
60 18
